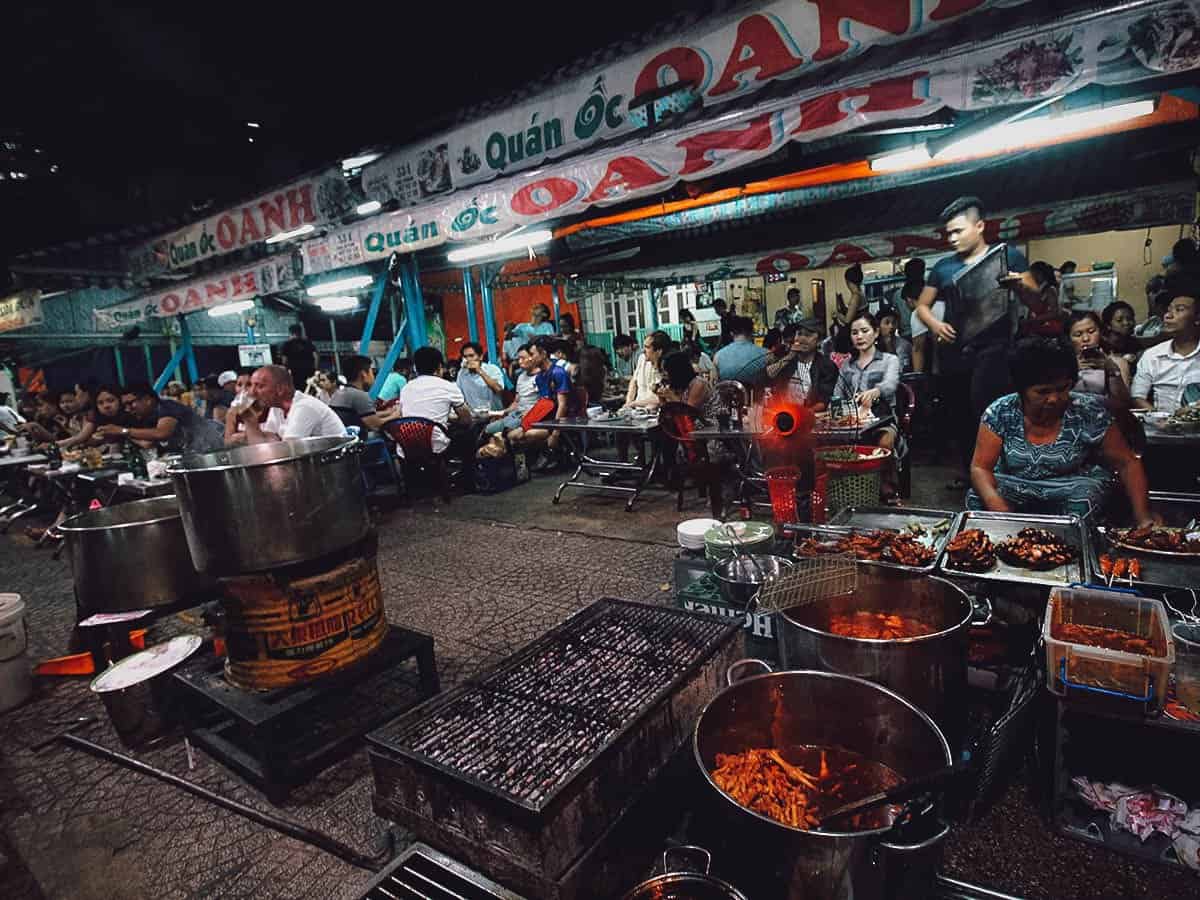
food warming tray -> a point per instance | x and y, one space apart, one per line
890 518
1001 526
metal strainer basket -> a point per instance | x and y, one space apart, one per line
813 578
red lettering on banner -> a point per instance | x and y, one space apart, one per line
948 9
686 63
543 196
194 300
890 17
758 46
169 303
847 253
1025 225
300 209
624 174
272 214
888 95
782 262
218 290
903 244
755 135
243 282
250 230
226 232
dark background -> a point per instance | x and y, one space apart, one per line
142 111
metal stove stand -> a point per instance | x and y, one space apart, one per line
279 739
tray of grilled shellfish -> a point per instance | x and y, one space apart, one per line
1015 547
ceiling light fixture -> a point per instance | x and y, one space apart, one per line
341 286
230 309
501 247
371 206
338 304
1015 134
253 125
288 235
357 162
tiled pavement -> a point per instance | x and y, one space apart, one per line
484 575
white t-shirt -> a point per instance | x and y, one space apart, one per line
918 327
646 377
527 392
1167 373
430 397
11 418
308 417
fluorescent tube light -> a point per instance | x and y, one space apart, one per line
338 304
288 235
357 162
341 286
501 247
905 159
371 206
230 309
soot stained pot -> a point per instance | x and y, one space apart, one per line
131 556
249 509
678 884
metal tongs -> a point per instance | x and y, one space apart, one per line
905 791
739 550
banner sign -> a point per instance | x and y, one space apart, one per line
244 283
312 201
20 310
1160 205
1112 49
724 58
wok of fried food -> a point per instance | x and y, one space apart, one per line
1036 548
971 550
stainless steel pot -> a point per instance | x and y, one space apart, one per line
681 883
248 509
931 671
787 709
740 577
131 556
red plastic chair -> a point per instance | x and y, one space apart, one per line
906 404
677 422
414 436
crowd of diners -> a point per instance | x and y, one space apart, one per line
1039 402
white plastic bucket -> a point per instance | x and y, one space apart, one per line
16 675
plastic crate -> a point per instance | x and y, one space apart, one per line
1128 676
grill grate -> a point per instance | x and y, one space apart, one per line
422 873
525 729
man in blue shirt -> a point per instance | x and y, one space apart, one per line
554 385
481 383
742 359
539 324
974 370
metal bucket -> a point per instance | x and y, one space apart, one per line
131 556
739 579
249 509
674 882
931 671
136 691
782 710
292 626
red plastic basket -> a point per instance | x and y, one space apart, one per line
846 475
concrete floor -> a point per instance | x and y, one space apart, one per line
468 573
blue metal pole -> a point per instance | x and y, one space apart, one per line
188 354
415 278
172 365
372 313
149 361
469 294
410 315
249 334
557 311
489 313
120 366
393 354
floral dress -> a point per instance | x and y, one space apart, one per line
1061 477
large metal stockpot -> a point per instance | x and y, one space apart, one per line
131 556
249 509
931 670
783 710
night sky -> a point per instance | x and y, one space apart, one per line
114 93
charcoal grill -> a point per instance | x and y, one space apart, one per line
421 871
522 770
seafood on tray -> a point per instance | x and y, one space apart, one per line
971 550
1116 569
1036 548
1158 538
879 545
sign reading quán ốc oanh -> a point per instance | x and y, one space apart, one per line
723 57
1120 48
244 283
21 310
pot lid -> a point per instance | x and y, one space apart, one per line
146 664
747 532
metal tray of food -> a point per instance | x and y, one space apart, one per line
1001 526
1116 537
891 518
833 532
1157 570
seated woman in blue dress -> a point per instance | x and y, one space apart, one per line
1046 449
